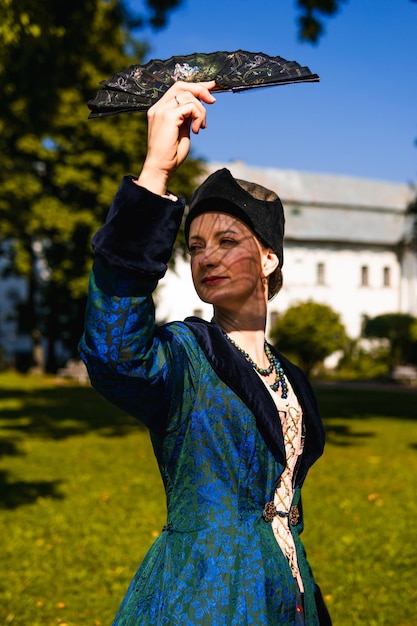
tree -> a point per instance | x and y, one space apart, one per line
311 19
312 14
400 329
59 170
309 332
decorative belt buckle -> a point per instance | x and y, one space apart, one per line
294 515
269 512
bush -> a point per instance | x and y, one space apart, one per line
308 333
362 362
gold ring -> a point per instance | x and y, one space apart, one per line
177 101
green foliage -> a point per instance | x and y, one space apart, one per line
400 329
44 47
59 170
159 9
362 363
81 501
309 332
311 20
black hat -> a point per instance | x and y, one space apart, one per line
258 207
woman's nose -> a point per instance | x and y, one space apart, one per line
210 257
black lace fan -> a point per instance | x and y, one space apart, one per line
139 86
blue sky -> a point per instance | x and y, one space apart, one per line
360 120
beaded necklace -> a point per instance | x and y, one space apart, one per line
274 364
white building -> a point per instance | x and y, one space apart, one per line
347 244
13 290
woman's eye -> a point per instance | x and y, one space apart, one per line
194 248
227 242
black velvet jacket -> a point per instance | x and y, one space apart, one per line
138 236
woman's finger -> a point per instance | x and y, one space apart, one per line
181 92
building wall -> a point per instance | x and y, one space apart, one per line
349 280
409 282
338 285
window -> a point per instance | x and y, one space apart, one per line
273 318
364 276
386 277
320 274
364 321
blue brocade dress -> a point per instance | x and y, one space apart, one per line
216 435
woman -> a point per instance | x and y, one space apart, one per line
234 425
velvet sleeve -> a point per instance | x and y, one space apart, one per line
140 230
130 359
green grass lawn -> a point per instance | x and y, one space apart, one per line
81 501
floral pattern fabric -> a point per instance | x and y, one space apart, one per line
217 562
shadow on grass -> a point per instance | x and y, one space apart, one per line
15 493
61 412
51 413
362 401
366 401
64 411
343 435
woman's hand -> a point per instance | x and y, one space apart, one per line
170 122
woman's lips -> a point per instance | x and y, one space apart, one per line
212 280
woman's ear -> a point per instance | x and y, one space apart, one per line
269 262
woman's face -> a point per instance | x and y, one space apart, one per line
226 260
